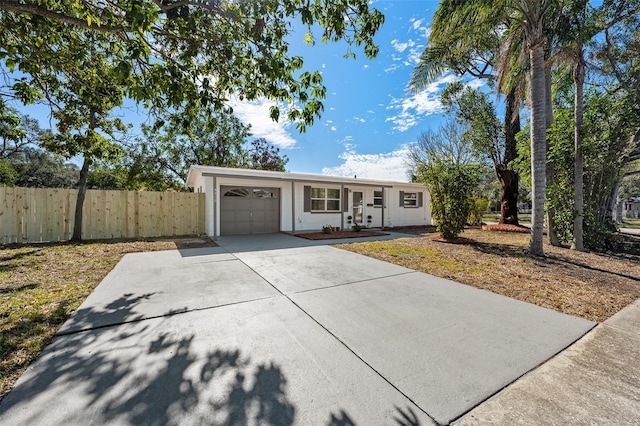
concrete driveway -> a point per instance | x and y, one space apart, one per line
279 330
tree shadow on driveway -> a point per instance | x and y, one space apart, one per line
152 372
140 375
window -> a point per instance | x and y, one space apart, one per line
237 192
264 193
325 200
377 198
410 199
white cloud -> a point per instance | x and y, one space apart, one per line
401 47
256 113
365 66
361 120
417 25
476 83
334 128
392 68
416 106
386 166
413 58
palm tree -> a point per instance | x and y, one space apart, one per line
532 21
529 17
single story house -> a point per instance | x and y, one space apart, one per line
246 201
631 208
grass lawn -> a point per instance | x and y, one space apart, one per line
630 223
524 218
589 285
41 285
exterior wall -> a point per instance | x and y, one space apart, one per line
205 184
394 215
406 216
312 221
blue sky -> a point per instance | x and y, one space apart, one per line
370 117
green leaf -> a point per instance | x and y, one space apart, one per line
11 64
274 112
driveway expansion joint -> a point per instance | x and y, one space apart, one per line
344 344
354 282
165 315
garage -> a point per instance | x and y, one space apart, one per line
249 210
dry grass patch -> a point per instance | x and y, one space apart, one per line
41 285
589 285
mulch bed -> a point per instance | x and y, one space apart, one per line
340 234
503 227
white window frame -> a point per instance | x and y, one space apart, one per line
378 200
410 202
325 200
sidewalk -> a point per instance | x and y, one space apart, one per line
594 381
632 231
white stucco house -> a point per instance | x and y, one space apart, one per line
630 208
245 201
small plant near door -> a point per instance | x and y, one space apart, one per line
356 227
327 229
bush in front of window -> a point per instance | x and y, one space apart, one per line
327 229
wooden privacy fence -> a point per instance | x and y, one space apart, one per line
44 214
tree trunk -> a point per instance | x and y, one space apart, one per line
82 187
508 195
612 201
509 179
511 128
578 79
552 231
82 191
538 146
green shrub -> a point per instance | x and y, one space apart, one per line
479 207
451 187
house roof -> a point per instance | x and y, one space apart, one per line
198 170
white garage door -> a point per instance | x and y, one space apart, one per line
249 210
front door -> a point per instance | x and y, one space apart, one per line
358 207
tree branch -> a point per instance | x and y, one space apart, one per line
204 4
32 9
